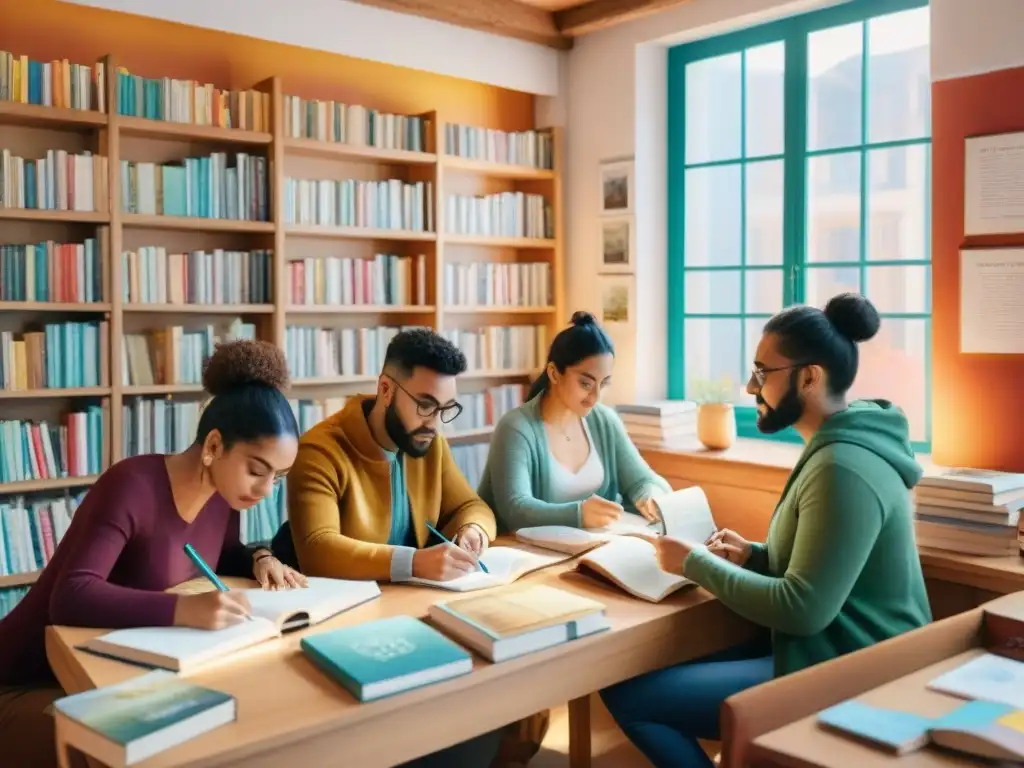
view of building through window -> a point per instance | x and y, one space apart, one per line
807 165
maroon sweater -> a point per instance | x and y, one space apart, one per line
124 547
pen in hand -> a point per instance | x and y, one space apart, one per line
444 538
207 571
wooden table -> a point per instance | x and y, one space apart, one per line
290 713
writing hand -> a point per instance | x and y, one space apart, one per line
649 509
471 537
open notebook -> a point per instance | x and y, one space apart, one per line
504 565
181 649
622 555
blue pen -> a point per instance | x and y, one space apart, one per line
442 537
207 571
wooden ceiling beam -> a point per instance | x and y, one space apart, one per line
598 14
500 17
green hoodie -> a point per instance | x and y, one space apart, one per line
840 569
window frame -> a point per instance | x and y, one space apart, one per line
794 32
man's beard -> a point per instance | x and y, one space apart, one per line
788 411
405 440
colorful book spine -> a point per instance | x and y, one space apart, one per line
151 275
504 214
483 284
390 204
174 355
352 124
384 280
61 355
534 149
57 83
59 181
191 103
501 348
51 272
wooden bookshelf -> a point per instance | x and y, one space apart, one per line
119 137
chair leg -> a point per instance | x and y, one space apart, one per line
579 732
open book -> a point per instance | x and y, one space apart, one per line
504 566
181 649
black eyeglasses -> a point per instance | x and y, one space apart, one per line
427 409
760 374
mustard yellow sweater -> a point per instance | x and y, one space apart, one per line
339 498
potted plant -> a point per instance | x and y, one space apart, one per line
716 417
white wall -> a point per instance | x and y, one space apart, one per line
616 106
364 32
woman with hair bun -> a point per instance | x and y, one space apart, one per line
839 570
563 458
125 545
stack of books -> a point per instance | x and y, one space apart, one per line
971 511
654 424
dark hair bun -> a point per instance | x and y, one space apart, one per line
853 316
582 318
243 362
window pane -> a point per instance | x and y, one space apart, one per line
714 292
764 212
833 207
713 352
834 60
900 290
822 283
713 223
893 366
766 68
764 291
713 114
898 203
753 329
899 76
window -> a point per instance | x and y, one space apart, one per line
799 167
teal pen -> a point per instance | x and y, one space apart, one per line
442 537
207 571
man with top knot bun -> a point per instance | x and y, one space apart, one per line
125 545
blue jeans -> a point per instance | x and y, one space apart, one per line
664 712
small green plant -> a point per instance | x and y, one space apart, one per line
707 391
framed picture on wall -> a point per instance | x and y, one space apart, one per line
618 241
617 305
617 188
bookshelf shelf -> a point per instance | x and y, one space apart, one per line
358 233
201 309
49 484
355 153
333 381
158 129
19 579
35 116
195 223
497 310
499 373
53 306
495 170
53 392
57 217
132 390
359 309
488 241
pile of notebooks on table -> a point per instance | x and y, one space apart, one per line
970 511
657 424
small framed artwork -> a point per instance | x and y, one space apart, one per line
617 300
617 187
617 245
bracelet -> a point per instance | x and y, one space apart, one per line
265 554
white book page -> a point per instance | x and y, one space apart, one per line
988 678
183 644
561 538
322 599
687 515
631 563
505 565
629 522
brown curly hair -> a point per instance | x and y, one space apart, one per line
243 362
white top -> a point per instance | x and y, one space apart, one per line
576 486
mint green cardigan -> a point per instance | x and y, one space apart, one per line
517 477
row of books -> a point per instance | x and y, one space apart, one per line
189 102
384 280
484 409
61 355
75 447
174 355
56 83
532 148
151 275
216 186
970 511
385 204
352 124
489 284
49 271
504 214
501 348
60 181
316 353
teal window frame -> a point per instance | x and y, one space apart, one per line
793 31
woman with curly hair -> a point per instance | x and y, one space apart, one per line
125 545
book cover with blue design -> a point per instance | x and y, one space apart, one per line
899 732
385 657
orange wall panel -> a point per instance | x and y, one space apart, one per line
47 29
976 400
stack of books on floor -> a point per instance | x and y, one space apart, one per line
971 511
656 424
